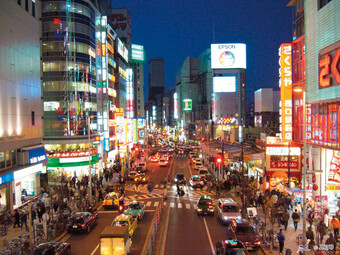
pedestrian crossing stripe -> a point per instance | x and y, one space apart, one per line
179 205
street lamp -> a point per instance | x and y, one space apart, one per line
303 90
90 177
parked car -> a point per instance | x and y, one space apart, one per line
243 231
52 248
81 222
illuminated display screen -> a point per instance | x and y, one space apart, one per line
227 56
224 84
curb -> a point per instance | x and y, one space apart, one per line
264 250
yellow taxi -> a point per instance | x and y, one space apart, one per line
125 220
111 200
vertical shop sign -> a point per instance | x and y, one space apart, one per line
333 123
308 122
285 73
334 172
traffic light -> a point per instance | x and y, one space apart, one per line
218 160
202 139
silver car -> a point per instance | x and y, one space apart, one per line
227 210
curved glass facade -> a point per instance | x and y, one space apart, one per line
69 67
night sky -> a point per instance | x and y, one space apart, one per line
180 28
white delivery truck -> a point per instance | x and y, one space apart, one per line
115 241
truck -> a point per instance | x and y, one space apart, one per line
115 241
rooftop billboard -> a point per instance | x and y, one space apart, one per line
228 56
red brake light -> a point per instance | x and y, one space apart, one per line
83 225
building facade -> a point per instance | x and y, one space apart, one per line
156 77
22 153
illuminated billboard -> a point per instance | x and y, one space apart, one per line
286 110
137 53
227 56
224 84
187 105
122 50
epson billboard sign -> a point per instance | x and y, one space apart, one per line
228 56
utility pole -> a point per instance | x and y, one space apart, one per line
90 176
288 165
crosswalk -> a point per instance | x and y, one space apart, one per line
185 205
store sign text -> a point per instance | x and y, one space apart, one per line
37 159
283 151
329 74
283 164
70 154
286 109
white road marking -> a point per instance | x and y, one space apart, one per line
156 204
187 206
172 205
95 249
164 203
179 205
209 237
148 204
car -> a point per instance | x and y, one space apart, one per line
111 200
203 172
52 248
180 179
141 178
135 209
227 210
125 220
196 182
143 165
132 175
205 205
198 165
230 247
81 222
243 231
154 159
163 162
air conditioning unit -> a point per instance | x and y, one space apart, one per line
23 158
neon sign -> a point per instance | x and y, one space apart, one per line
329 74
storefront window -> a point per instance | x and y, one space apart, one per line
8 159
14 157
3 200
2 159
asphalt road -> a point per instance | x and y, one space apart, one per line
188 233
88 243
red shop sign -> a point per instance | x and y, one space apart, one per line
283 164
329 74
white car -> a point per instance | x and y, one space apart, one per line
198 166
163 162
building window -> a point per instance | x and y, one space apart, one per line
322 3
33 118
33 8
26 5
19 2
138 89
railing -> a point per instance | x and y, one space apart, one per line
150 238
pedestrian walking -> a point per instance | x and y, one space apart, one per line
100 195
23 219
335 225
217 189
281 238
296 218
16 218
150 188
310 236
178 189
322 229
285 218
310 218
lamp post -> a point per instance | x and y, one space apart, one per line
303 90
90 176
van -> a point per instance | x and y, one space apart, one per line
227 210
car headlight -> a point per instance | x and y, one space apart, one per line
257 243
199 209
239 217
225 217
176 180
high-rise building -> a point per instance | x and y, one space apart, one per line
138 58
22 153
156 77
69 87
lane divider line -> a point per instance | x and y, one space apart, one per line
209 237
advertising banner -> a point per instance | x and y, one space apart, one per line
334 171
228 56
285 73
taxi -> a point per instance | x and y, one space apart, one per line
135 209
196 181
205 206
111 200
125 220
